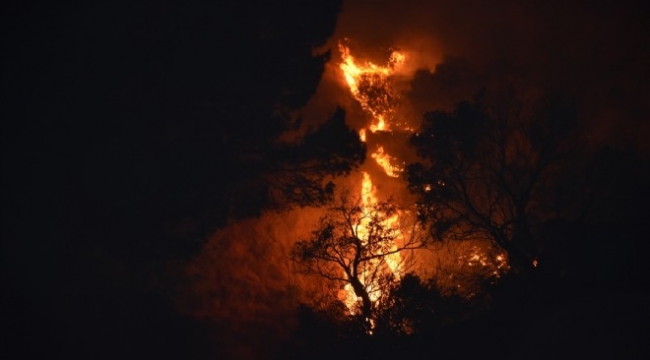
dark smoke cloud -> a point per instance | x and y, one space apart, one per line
245 285
594 51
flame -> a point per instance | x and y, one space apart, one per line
385 161
362 135
476 257
379 125
369 199
371 86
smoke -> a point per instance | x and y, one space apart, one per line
245 283
594 52
243 279
512 51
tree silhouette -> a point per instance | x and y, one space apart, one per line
299 173
414 305
130 132
357 245
491 177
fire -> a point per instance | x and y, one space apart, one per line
386 162
368 199
371 86
379 125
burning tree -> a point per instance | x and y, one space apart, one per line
488 177
359 247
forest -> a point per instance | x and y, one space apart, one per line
327 179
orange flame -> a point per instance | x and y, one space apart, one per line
370 85
368 199
386 162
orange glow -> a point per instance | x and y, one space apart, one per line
371 86
385 161
379 125
369 199
479 258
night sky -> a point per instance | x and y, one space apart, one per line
159 159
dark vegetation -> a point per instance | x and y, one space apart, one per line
527 186
485 176
130 131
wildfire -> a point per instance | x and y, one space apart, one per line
386 162
368 199
477 257
371 86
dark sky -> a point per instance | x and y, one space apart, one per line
130 131
594 51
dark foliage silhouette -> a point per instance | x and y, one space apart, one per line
130 131
488 177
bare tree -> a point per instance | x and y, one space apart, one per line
359 245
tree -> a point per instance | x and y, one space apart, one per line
483 176
127 145
176 118
357 245
300 173
414 305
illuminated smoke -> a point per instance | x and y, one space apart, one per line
451 48
373 87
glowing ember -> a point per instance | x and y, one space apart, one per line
477 257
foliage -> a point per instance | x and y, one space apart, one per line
297 173
490 177
415 306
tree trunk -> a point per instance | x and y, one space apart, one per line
366 309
